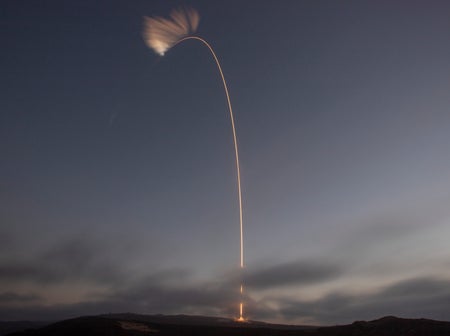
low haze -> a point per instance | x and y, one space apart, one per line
117 175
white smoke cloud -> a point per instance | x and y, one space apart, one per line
161 34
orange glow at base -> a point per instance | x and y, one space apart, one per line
241 318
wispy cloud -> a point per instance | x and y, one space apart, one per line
156 293
14 298
293 273
75 259
415 297
173 292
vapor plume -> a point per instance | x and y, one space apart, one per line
161 34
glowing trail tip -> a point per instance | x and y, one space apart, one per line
161 34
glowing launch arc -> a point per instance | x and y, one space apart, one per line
236 151
161 35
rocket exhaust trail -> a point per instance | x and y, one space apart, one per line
161 34
236 152
241 307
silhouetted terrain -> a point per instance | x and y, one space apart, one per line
138 325
13 326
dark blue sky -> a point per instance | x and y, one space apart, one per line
117 180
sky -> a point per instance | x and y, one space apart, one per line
117 176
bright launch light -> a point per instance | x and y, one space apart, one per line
161 34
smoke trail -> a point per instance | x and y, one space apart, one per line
161 34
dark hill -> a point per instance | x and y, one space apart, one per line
159 325
8 327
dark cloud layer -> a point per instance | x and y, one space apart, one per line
416 297
11 297
76 259
293 273
150 295
173 291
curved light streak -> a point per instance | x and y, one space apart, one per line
236 153
162 34
236 150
